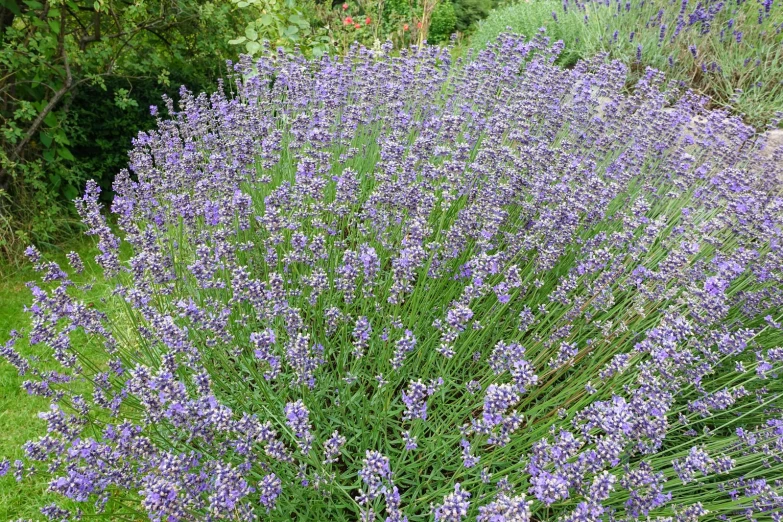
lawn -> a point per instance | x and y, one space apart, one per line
18 410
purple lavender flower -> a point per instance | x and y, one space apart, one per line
469 460
361 334
409 440
230 488
270 488
455 506
304 359
375 473
565 355
298 419
548 487
646 490
264 341
401 348
497 400
76 262
506 509
32 254
415 400
332 447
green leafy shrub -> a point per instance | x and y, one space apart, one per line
288 24
469 12
54 54
444 22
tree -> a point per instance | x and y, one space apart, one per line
49 49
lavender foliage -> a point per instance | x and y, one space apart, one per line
354 280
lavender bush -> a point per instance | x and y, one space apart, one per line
401 288
730 50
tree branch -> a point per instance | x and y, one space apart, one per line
159 36
36 124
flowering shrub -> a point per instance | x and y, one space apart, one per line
402 288
729 50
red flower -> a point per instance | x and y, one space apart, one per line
367 21
418 25
348 20
345 6
358 26
405 27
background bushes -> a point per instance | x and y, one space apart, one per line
471 11
102 130
527 18
76 79
731 52
444 22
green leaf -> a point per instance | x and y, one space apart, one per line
54 25
70 192
266 19
12 6
54 13
48 155
298 20
55 180
33 4
51 119
243 4
291 30
253 47
237 41
251 33
65 154
60 137
45 139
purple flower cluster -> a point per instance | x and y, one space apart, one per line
489 260
415 398
377 481
729 49
298 419
404 345
332 447
263 343
455 506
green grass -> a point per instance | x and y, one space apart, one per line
18 410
